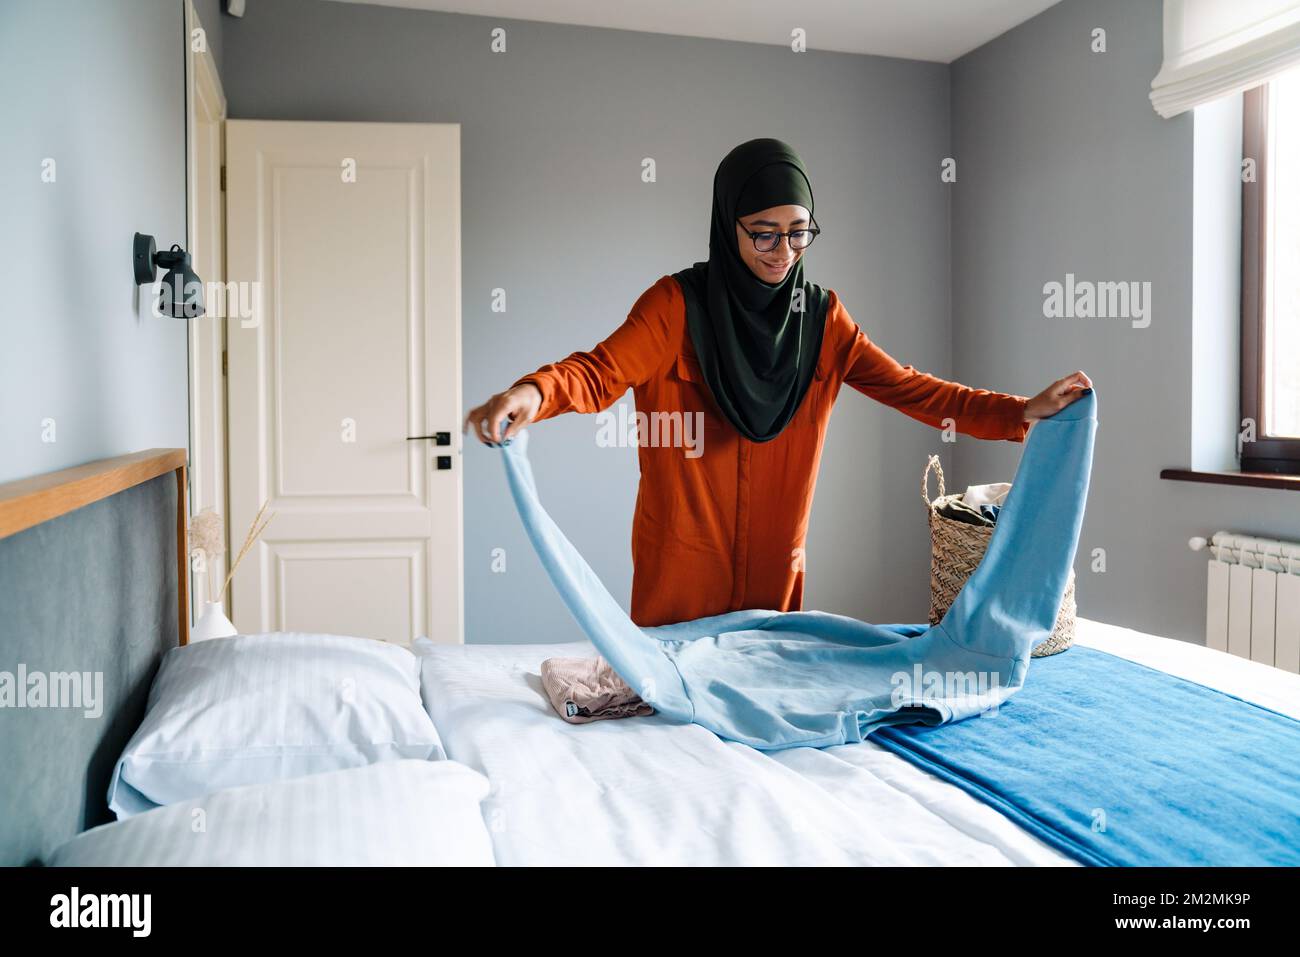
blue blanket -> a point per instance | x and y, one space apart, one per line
1115 763
776 680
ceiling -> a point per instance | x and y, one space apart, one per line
938 30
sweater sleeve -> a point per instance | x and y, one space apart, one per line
631 354
979 413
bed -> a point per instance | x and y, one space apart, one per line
638 791
644 791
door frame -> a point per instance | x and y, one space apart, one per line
205 102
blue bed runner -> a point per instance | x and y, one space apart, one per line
1115 763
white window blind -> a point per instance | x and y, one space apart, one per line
1214 48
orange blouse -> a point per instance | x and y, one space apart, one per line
720 521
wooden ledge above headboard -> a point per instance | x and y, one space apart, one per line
29 502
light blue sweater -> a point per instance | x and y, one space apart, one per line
776 680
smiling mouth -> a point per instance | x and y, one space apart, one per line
777 268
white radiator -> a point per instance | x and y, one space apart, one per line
1252 598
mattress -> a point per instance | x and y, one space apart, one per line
650 791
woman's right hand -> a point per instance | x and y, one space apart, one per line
519 403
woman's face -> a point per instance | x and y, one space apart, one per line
771 266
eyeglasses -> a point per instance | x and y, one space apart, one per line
766 241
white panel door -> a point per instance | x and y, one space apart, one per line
352 233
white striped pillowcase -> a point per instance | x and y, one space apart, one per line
258 708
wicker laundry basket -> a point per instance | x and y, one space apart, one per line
956 549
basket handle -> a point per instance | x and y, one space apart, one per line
933 463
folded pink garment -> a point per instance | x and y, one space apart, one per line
587 689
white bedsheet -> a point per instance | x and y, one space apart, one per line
647 791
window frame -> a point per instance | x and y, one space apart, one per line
1267 453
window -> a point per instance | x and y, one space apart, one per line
1270 288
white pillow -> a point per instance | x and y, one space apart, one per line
397 813
257 708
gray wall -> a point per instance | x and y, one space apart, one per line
96 86
1065 167
553 133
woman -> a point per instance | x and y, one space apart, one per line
745 346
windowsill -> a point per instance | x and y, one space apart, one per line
1251 479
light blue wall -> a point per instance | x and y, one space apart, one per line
1065 167
97 86
553 134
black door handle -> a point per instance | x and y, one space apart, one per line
439 438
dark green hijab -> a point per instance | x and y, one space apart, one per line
756 351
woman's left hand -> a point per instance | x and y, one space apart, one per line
1057 396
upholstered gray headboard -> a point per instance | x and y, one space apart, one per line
89 601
